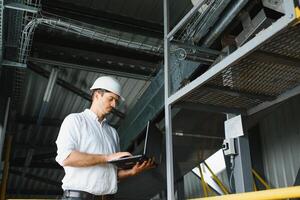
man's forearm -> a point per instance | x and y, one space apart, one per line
125 173
79 159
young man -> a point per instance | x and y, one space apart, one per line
86 143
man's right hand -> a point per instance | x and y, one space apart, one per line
117 155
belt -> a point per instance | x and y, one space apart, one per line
86 195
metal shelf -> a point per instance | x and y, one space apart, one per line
260 73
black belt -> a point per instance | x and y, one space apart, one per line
86 195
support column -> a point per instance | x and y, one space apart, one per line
236 147
242 166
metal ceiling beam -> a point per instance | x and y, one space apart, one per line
9 63
22 7
103 19
89 68
36 178
75 53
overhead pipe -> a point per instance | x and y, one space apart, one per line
223 23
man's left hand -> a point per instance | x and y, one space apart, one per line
140 167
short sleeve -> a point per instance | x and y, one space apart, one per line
67 140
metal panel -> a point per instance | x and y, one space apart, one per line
280 134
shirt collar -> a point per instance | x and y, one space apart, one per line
94 116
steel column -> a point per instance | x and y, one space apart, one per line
243 178
168 115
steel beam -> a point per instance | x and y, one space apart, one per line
183 20
212 15
89 68
242 173
168 112
8 63
22 7
65 52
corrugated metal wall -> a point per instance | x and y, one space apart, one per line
192 186
280 134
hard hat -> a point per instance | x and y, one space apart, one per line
108 83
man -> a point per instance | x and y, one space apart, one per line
86 143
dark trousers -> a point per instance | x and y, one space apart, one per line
80 195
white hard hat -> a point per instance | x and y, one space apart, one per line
108 83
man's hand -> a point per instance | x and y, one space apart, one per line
117 155
140 167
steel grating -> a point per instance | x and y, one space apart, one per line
286 43
268 72
221 99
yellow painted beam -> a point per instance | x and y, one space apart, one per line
204 187
297 16
279 193
261 179
217 180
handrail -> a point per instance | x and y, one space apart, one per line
260 179
279 193
203 183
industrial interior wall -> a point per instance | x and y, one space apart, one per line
280 134
192 186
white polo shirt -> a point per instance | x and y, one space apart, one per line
84 133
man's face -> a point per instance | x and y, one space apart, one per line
107 101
